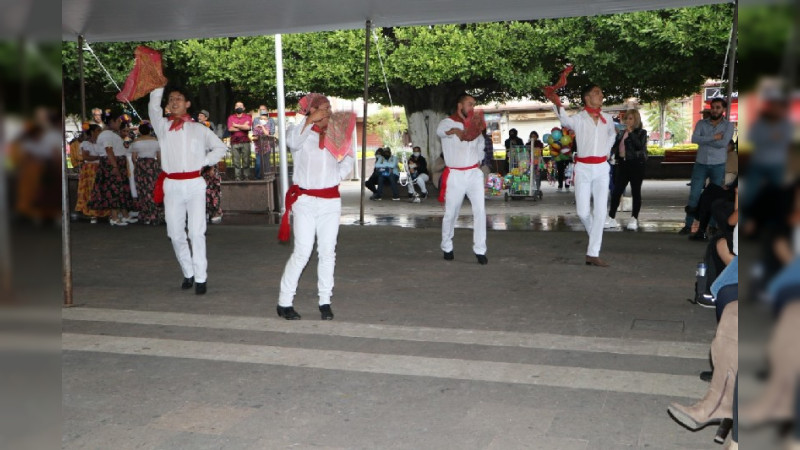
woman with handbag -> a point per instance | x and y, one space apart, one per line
630 155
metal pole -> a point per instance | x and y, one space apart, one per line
5 217
355 146
364 122
65 225
83 80
732 64
284 166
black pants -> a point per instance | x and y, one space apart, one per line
628 172
372 182
561 167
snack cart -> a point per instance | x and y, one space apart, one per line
523 179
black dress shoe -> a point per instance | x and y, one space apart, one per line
482 259
200 288
187 283
326 312
685 230
706 375
449 256
288 313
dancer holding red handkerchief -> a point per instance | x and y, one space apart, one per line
320 145
463 145
186 147
594 133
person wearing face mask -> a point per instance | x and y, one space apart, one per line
263 129
240 124
512 141
418 169
630 155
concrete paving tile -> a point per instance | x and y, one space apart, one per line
510 420
664 432
579 425
536 442
202 418
118 437
197 441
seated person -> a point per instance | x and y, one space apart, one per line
418 170
372 182
388 169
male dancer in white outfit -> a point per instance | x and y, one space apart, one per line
462 176
186 147
315 204
594 133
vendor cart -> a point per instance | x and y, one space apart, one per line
523 178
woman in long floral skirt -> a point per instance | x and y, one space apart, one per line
147 163
112 189
91 154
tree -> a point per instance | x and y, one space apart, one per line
653 55
668 117
389 126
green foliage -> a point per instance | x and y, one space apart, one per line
765 31
653 55
675 121
388 126
655 150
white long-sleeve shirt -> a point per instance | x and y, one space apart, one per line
593 139
188 149
458 153
314 167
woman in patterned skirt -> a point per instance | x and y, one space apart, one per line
147 163
91 154
112 189
213 194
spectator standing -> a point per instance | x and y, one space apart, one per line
239 125
263 130
630 155
712 136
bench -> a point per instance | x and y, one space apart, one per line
679 156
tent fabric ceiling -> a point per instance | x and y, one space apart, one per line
109 21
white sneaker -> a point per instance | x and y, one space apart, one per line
118 223
129 219
611 223
133 214
93 220
633 224
216 220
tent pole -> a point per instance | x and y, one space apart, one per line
66 236
83 80
284 166
364 122
732 64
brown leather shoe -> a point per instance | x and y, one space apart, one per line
595 261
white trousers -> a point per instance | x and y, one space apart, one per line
591 185
186 199
461 183
420 181
313 217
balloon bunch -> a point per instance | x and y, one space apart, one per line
560 141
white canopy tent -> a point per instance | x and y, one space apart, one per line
147 20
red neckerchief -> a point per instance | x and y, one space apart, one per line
178 121
595 112
321 132
457 117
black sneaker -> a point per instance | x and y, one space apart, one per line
706 375
326 312
187 283
410 195
288 313
707 301
449 256
423 196
482 259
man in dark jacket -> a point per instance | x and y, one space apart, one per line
418 171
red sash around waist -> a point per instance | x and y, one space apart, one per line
158 191
591 159
445 175
294 192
